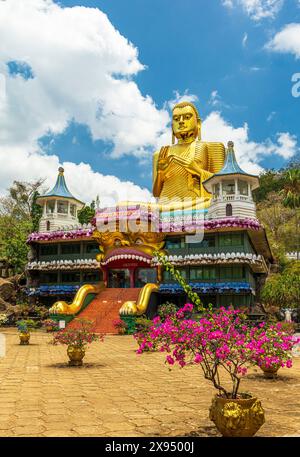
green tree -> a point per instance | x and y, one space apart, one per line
291 198
86 214
283 289
19 216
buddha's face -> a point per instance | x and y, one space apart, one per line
184 121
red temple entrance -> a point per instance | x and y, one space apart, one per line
128 269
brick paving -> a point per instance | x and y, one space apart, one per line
118 393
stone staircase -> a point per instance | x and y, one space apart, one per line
104 308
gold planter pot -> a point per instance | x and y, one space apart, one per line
270 372
241 417
24 337
76 355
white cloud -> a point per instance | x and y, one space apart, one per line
83 70
248 153
178 97
287 145
271 116
214 98
216 101
287 40
245 40
83 182
257 9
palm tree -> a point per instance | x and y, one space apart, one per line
291 197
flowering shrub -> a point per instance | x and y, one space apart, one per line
25 325
167 309
50 324
220 342
272 345
142 334
78 337
193 296
3 319
120 324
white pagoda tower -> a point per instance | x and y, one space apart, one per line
60 207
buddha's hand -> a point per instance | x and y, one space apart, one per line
163 164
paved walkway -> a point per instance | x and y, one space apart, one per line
118 393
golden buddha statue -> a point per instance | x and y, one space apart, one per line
179 170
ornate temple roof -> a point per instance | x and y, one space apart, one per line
60 189
231 167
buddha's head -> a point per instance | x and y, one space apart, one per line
186 123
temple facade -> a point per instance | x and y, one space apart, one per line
223 253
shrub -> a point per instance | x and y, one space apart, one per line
220 340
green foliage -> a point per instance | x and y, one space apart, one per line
166 309
278 208
193 296
86 214
143 324
269 181
283 289
36 212
25 325
13 235
19 216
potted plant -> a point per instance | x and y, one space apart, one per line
50 325
274 347
77 339
167 309
24 326
224 347
121 326
3 319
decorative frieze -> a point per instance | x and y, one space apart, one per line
79 264
197 259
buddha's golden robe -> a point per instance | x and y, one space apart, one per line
184 181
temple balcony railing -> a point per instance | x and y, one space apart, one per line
233 197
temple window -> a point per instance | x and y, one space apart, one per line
168 277
209 241
70 248
48 278
73 210
50 207
242 187
70 277
228 187
143 276
231 239
48 226
92 248
49 249
175 243
62 207
203 273
92 276
229 210
233 272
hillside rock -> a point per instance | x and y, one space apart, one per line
7 290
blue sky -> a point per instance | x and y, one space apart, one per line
218 51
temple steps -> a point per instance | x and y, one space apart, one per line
104 308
